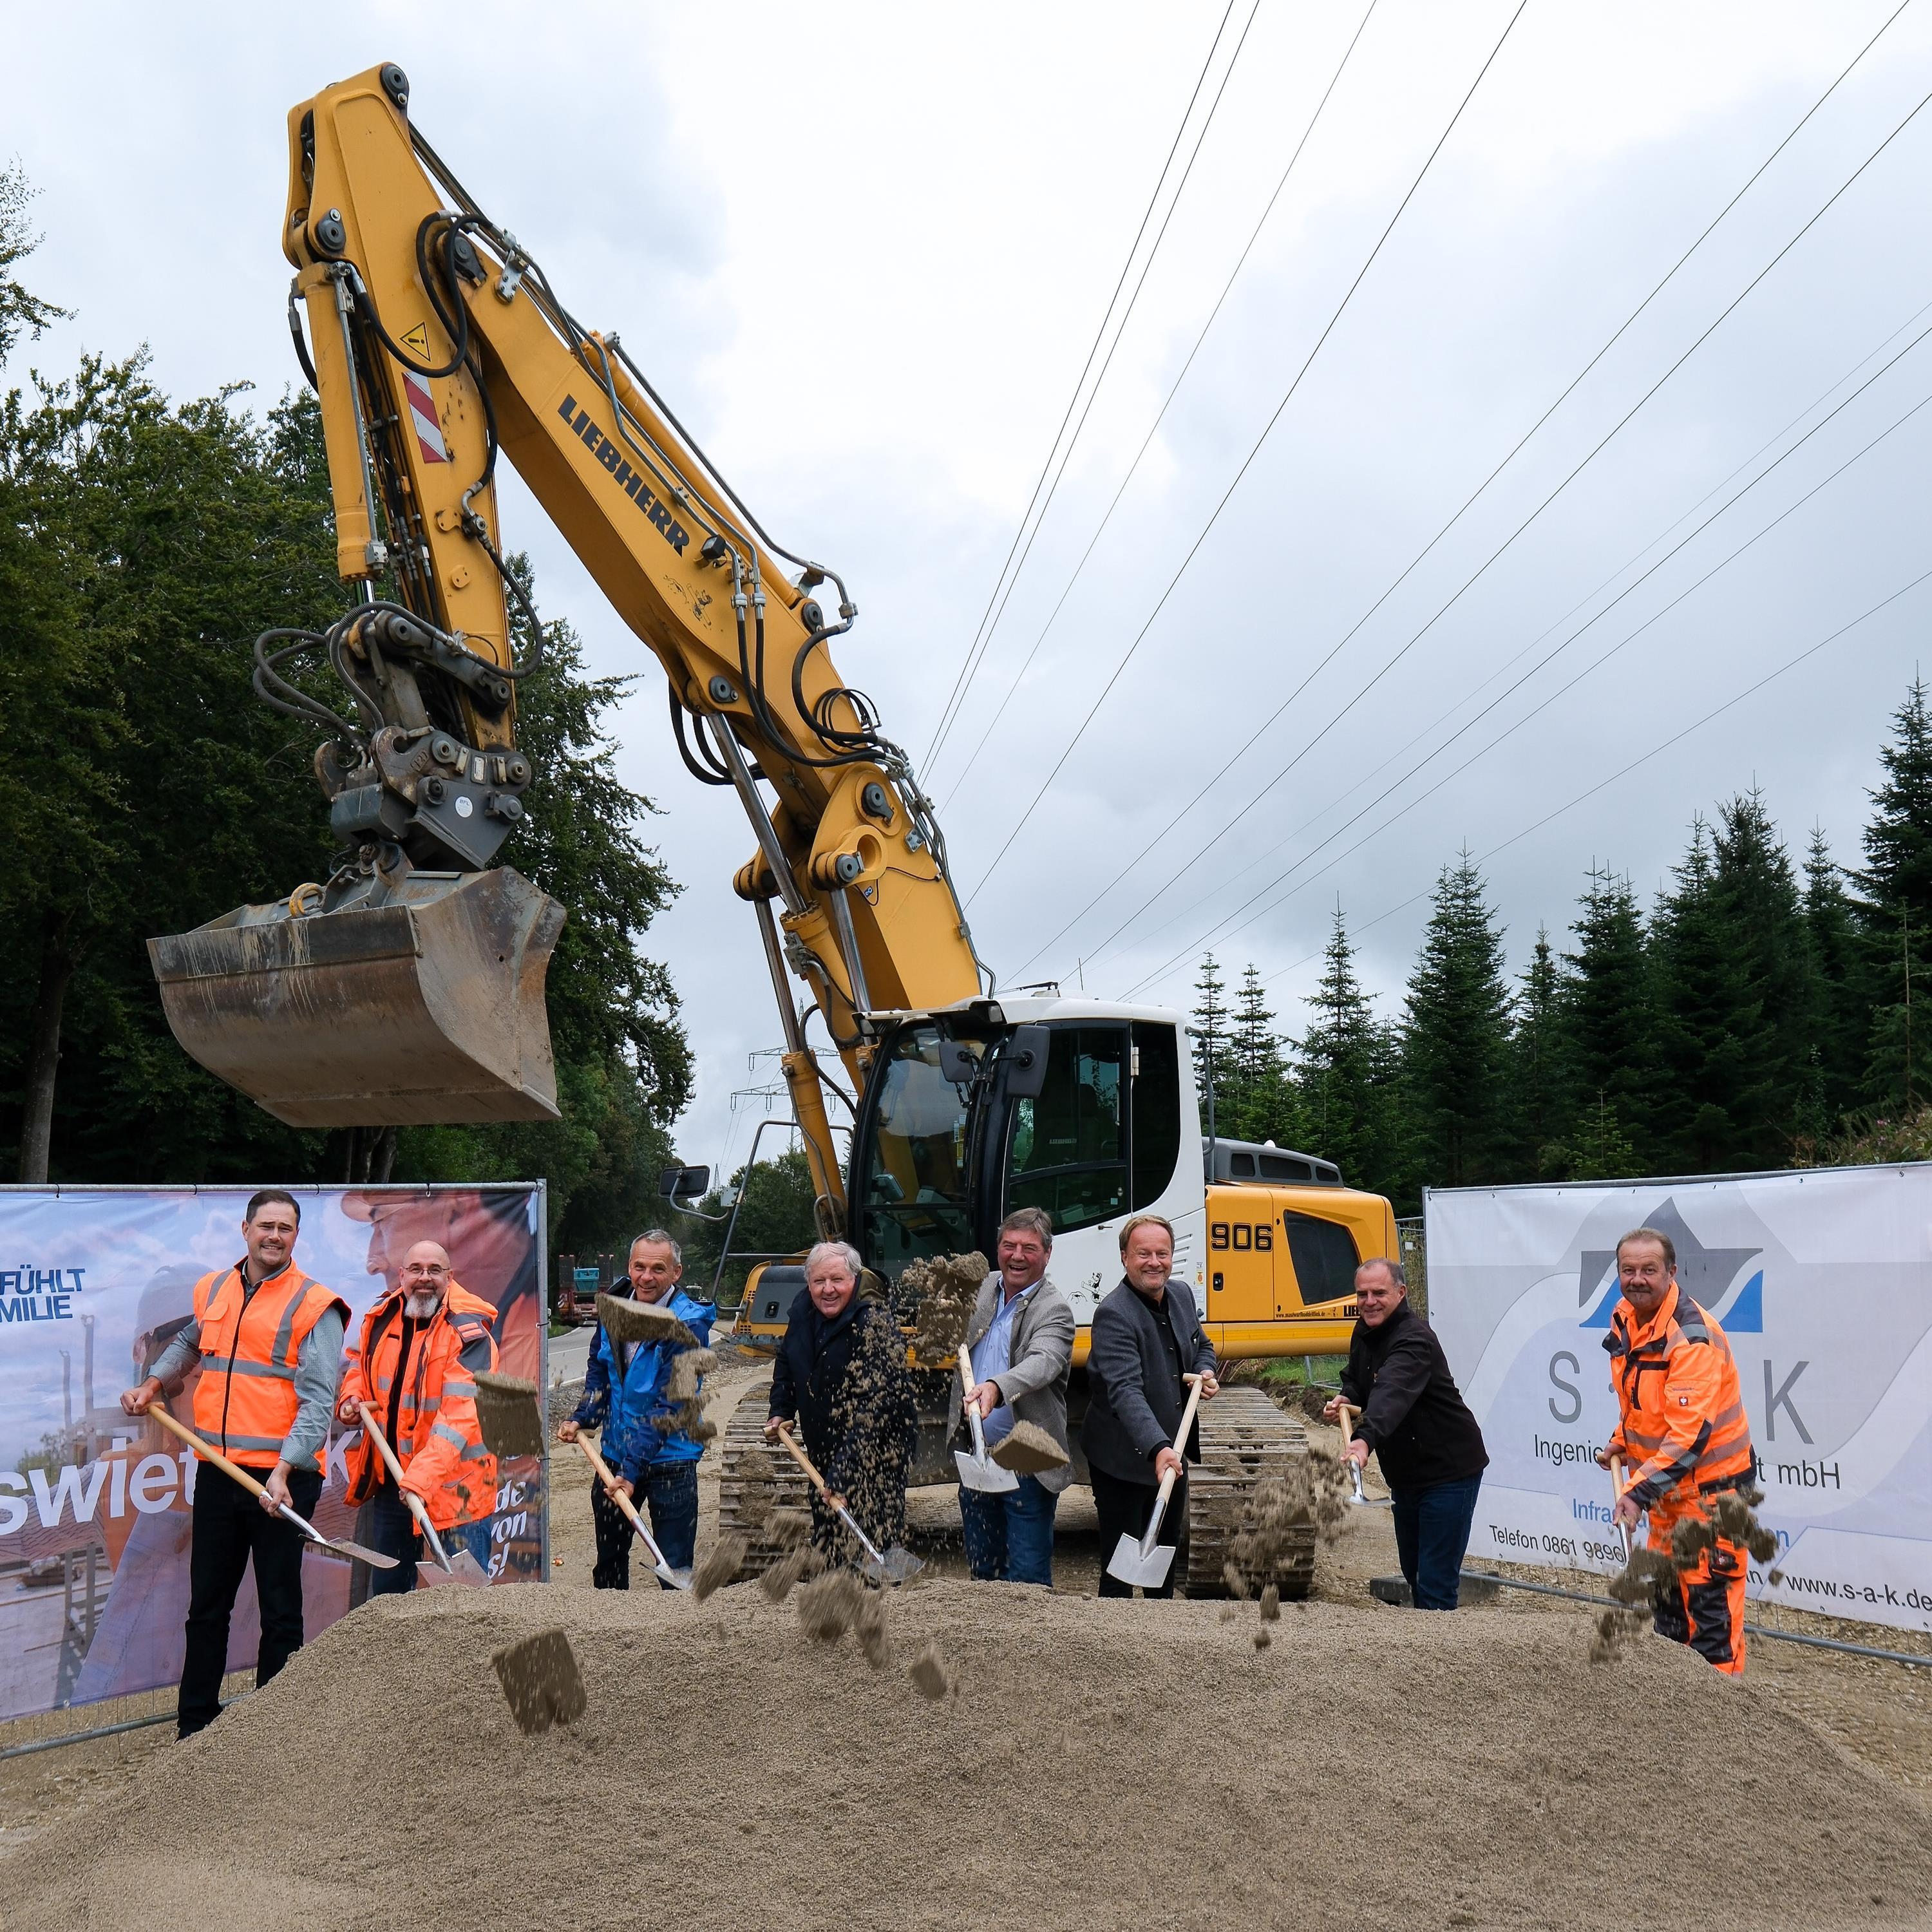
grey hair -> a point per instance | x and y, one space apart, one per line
1395 1270
658 1238
845 1252
1031 1221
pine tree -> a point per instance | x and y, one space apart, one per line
1607 1015
1455 1037
1709 1035
1834 1059
1212 1059
1894 913
1601 1152
1540 1103
1261 1100
1348 1066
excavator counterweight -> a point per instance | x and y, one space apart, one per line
426 1006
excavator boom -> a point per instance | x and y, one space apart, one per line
408 986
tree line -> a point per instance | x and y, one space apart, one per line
1759 1014
144 545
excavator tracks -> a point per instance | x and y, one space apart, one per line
1245 1441
754 1479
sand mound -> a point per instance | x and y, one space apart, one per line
1104 1763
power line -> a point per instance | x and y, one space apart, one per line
1092 394
1274 717
1508 730
1148 441
1248 460
1557 651
1626 767
959 682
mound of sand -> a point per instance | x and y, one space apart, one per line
1135 1765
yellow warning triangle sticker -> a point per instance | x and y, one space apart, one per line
417 338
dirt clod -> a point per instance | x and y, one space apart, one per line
720 1567
941 1293
928 1673
541 1681
1028 1450
829 1605
790 1570
1270 1605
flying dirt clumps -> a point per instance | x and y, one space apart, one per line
830 1605
791 1569
940 1293
929 1674
681 1385
1642 1582
718 1568
1026 1449
541 1681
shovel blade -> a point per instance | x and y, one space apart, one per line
356 1553
983 1473
679 1579
897 1566
1147 1568
464 1572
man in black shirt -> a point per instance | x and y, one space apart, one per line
1412 1417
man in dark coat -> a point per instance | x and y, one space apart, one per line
841 1373
1413 1419
1146 1334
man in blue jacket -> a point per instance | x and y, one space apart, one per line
625 1395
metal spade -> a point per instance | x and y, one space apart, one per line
896 1565
463 1569
977 1470
1349 1413
1147 1562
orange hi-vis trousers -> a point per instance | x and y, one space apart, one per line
1705 1607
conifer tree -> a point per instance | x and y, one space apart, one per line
1607 1014
1262 1101
1212 1060
1709 1035
1455 1043
1539 1104
1894 913
1347 1073
1835 1058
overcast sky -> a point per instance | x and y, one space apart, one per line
864 252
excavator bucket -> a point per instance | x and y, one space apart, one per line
427 1006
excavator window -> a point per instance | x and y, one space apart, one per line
1155 1124
916 1201
1067 1151
1324 1256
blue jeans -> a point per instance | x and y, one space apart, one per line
393 1530
1010 1534
668 1491
1432 1534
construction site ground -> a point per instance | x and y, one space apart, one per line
1128 1764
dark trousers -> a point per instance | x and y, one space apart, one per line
669 1492
1432 1534
230 1528
1009 1533
393 1530
1124 1509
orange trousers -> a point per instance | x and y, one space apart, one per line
1705 1609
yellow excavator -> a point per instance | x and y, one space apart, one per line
408 986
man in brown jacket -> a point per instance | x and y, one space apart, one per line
1021 1341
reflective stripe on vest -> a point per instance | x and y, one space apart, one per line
244 1401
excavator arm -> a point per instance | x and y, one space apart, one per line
408 987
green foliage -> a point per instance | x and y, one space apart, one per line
1348 1072
775 1217
20 313
1455 1037
1894 914
1539 1083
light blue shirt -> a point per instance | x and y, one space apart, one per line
993 1356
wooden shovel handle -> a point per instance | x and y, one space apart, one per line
207 1451
616 1495
1348 1411
804 1462
1187 1415
967 1381
413 1502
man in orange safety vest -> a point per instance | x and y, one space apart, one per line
1685 1437
267 1341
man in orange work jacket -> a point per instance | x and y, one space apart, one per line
1684 1437
421 1348
269 1343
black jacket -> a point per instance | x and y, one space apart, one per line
845 1380
1135 1394
1412 1416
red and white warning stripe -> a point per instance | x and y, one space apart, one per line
422 407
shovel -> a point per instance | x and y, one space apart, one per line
977 1470
374 1558
897 1565
1347 1413
1616 1497
465 1569
679 1579
1147 1561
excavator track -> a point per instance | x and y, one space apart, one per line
754 1479
1245 1441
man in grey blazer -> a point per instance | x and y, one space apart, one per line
1021 1341
1147 1337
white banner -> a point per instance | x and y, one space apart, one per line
1823 1280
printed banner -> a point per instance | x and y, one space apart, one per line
1823 1280
94 1526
